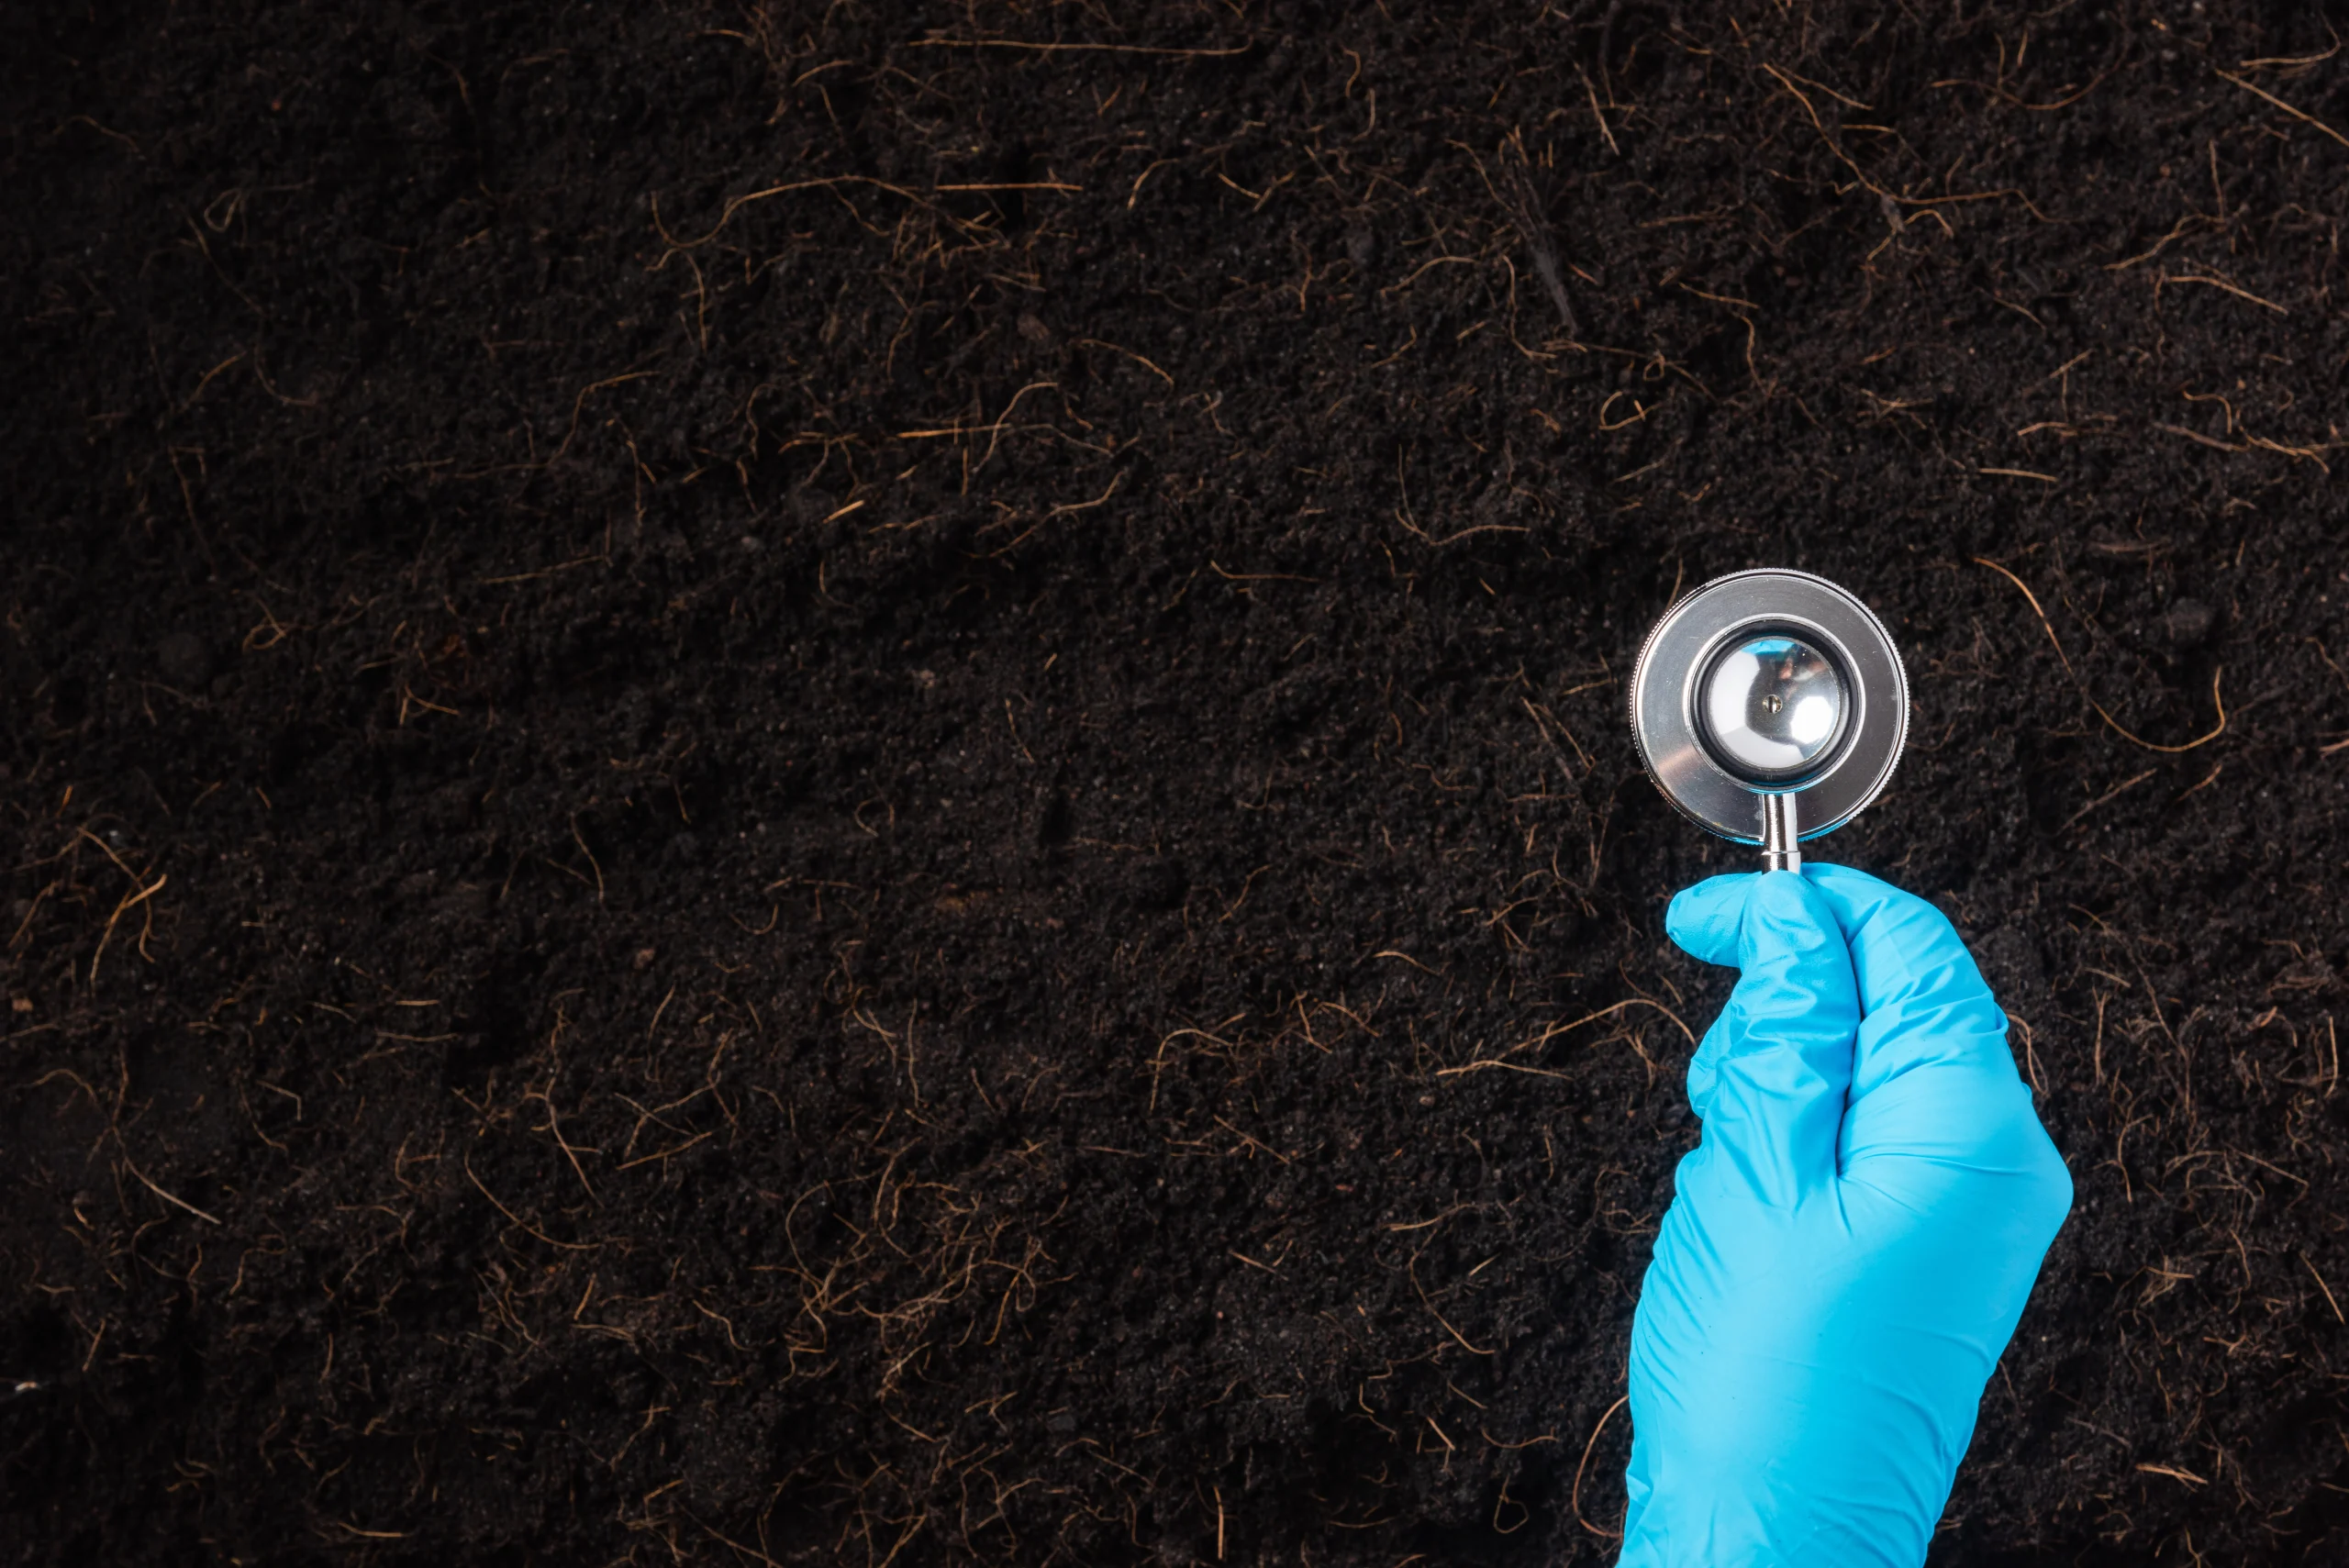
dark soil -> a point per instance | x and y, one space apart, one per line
845 784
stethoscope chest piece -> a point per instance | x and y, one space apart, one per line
1770 707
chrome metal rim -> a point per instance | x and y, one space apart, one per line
1664 699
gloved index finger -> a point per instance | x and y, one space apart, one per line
1923 999
1707 920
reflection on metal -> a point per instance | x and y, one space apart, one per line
1781 845
1772 706
1766 688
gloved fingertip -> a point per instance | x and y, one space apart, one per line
1874 913
1784 912
1706 920
1790 893
1847 889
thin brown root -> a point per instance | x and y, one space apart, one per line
1594 1529
2118 727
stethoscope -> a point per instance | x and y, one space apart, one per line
1770 707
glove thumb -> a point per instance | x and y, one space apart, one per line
1771 1078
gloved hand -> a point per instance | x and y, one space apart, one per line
1851 1242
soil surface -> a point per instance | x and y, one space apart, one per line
845 782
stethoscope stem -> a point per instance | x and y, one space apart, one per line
1781 851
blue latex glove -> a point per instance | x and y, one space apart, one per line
1850 1243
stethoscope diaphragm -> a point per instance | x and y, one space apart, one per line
1770 707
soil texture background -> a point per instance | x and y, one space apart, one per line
792 784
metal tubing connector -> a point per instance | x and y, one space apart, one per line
1781 851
